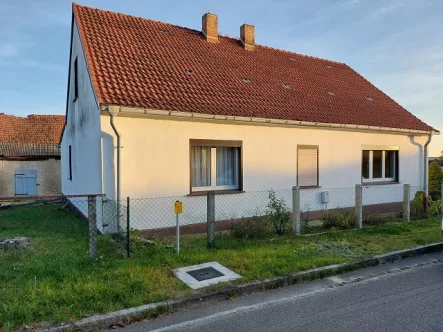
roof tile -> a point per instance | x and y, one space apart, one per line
35 129
133 62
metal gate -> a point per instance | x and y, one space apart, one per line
26 182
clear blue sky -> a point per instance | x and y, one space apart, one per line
396 44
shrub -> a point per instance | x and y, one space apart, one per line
435 208
339 219
435 180
417 210
278 214
251 228
379 219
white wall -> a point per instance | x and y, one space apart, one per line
83 133
155 163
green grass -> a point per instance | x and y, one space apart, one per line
56 281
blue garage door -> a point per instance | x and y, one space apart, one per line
26 182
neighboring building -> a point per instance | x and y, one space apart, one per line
30 155
196 111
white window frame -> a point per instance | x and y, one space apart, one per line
383 171
213 185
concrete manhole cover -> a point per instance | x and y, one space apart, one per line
203 275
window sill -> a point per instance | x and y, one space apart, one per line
217 192
381 183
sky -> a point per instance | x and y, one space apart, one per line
395 44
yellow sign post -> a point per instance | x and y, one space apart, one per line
178 209
178 206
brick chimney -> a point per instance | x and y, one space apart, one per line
210 27
247 36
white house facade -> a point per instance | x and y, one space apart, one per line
139 151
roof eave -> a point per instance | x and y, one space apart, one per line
155 113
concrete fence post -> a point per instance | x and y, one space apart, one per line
407 202
359 205
92 217
441 207
296 210
211 218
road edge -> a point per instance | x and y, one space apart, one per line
154 309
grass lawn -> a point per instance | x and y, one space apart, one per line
56 281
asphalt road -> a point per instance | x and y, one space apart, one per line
402 296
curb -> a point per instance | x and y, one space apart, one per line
155 309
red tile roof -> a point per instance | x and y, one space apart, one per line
32 129
143 63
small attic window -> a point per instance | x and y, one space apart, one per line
165 31
369 98
331 93
189 72
246 80
328 66
286 86
293 59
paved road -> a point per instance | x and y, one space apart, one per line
403 296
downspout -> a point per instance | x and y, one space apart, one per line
113 111
425 163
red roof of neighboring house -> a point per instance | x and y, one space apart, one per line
44 129
143 63
35 135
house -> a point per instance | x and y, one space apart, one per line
30 155
155 109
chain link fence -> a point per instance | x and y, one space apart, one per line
266 214
94 219
124 228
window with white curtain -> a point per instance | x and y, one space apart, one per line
380 163
307 166
214 166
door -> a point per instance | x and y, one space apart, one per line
26 182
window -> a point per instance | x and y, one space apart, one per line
307 166
70 162
380 164
75 79
215 165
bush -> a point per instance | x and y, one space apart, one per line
417 209
379 219
435 180
278 214
251 228
435 208
339 219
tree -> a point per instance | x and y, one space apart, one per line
435 180
441 155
